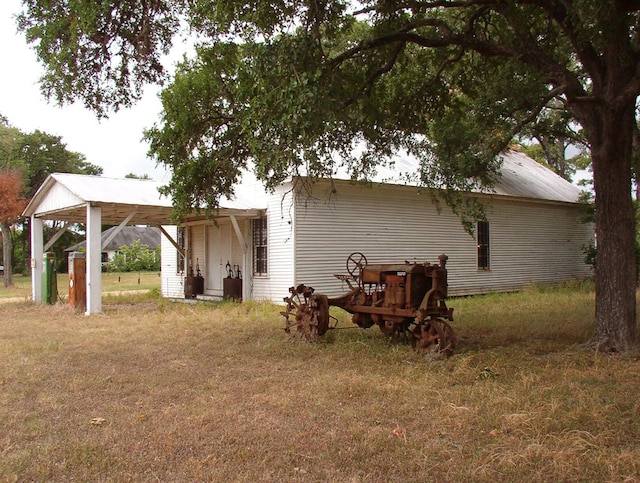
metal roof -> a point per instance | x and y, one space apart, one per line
520 176
524 177
64 196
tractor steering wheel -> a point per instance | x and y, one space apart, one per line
356 261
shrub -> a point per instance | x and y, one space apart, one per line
137 257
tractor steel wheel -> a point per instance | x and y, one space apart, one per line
434 336
306 313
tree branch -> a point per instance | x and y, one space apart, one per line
527 49
376 74
631 89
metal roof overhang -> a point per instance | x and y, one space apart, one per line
222 213
113 214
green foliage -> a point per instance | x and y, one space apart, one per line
106 51
558 142
18 254
36 155
137 257
296 87
9 139
42 154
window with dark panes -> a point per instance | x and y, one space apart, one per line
181 243
260 246
482 236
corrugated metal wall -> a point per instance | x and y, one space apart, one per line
530 242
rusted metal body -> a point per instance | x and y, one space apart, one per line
404 300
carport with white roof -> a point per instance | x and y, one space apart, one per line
94 200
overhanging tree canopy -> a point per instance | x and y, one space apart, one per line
291 83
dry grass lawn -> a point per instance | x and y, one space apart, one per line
159 391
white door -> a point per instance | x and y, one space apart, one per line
218 254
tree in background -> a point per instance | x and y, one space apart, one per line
36 155
9 138
43 154
11 205
11 193
294 83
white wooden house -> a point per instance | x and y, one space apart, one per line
533 234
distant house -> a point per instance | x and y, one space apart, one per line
272 241
147 235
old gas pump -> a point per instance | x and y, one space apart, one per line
77 279
194 284
49 280
232 283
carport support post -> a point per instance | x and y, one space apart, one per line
94 259
37 251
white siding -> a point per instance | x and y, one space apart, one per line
220 242
58 197
195 248
530 242
533 243
172 281
211 246
280 223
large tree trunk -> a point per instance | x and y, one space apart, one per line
6 254
616 278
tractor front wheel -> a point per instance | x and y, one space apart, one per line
306 314
434 335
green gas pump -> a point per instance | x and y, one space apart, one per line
49 279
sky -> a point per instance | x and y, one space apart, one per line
115 144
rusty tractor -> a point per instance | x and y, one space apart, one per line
406 301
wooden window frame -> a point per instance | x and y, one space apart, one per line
484 245
181 234
260 230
